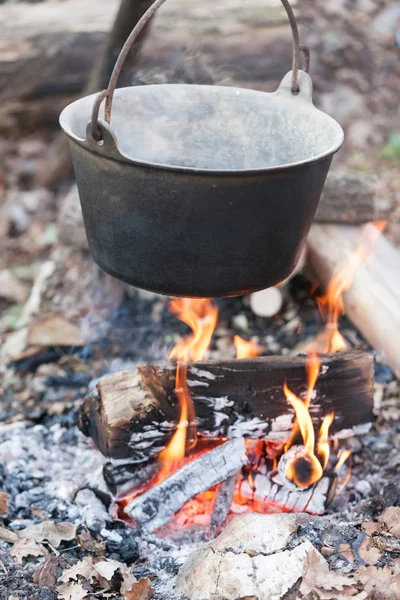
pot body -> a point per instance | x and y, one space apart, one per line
195 234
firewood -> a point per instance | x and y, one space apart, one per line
134 414
43 44
270 490
156 506
373 300
352 197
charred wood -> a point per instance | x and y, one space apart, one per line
270 490
134 414
156 506
222 504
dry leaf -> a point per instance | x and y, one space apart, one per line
54 330
89 543
46 574
12 289
347 553
371 528
322 583
140 590
71 591
369 553
54 533
3 503
390 519
84 569
381 584
107 568
27 547
13 598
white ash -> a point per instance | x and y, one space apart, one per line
256 426
47 467
202 373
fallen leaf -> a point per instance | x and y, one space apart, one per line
381 584
71 591
3 503
7 535
25 547
54 330
83 569
140 590
369 553
371 528
107 568
13 598
390 519
322 583
46 574
89 543
346 551
11 288
54 533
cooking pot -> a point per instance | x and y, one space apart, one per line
197 190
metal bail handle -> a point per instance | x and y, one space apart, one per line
108 94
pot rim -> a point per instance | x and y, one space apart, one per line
112 150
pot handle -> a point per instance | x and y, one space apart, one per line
108 94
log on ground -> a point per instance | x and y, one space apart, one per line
373 300
134 414
352 197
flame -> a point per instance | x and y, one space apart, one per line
201 316
323 448
316 461
342 457
331 304
245 349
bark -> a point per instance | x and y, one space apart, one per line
352 197
134 414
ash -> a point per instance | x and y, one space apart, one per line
51 472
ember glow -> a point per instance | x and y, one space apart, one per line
331 304
245 349
201 315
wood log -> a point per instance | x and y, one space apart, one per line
373 300
271 493
156 506
134 414
48 50
352 197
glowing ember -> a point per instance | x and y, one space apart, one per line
201 316
331 304
245 349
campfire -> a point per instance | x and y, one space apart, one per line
194 442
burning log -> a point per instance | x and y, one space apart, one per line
133 415
373 296
270 493
156 506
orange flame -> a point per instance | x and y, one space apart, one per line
315 464
245 349
323 448
331 304
201 316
